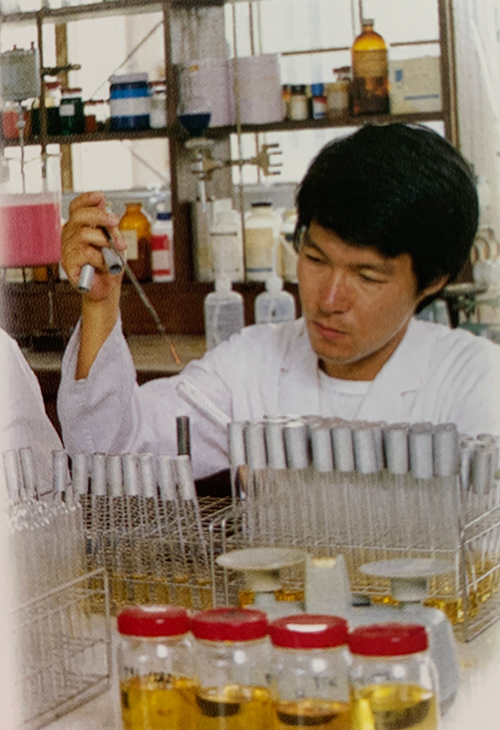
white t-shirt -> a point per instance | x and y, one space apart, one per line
341 398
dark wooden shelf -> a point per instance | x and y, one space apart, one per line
219 132
103 8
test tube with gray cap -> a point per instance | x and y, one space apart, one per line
363 494
343 457
257 509
283 526
302 497
397 457
322 458
117 553
421 497
445 496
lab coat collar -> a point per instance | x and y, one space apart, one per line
398 380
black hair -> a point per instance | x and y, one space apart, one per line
396 188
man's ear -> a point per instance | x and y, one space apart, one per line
433 288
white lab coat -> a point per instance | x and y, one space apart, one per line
23 421
436 374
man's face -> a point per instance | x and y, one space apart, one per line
356 302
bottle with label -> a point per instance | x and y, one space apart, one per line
162 248
158 109
309 681
274 304
298 107
72 112
262 242
232 664
318 101
155 668
224 314
136 231
370 74
227 245
288 253
393 679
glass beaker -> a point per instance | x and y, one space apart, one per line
30 209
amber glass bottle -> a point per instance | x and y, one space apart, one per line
136 230
370 79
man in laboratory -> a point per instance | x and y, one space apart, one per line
386 217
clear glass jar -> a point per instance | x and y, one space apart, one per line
370 73
309 680
393 679
155 668
232 657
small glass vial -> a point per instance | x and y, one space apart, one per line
318 101
72 112
298 106
155 668
136 231
393 679
309 680
232 656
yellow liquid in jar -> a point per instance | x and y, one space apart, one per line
234 708
289 594
317 713
394 707
245 598
158 702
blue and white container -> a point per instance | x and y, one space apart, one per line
129 102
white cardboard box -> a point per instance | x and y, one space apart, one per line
415 85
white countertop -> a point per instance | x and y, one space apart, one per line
477 706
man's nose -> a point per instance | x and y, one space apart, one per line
334 293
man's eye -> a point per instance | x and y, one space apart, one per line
370 279
315 259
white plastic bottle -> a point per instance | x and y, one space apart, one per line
274 304
262 242
223 310
226 240
162 250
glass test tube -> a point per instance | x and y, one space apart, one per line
255 449
174 531
363 495
194 528
237 460
284 530
302 492
322 456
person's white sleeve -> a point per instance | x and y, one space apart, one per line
109 412
23 420
468 388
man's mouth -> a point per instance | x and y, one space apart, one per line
329 333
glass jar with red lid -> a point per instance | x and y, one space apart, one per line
393 679
155 668
309 680
232 659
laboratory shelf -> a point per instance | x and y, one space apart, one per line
221 132
101 9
